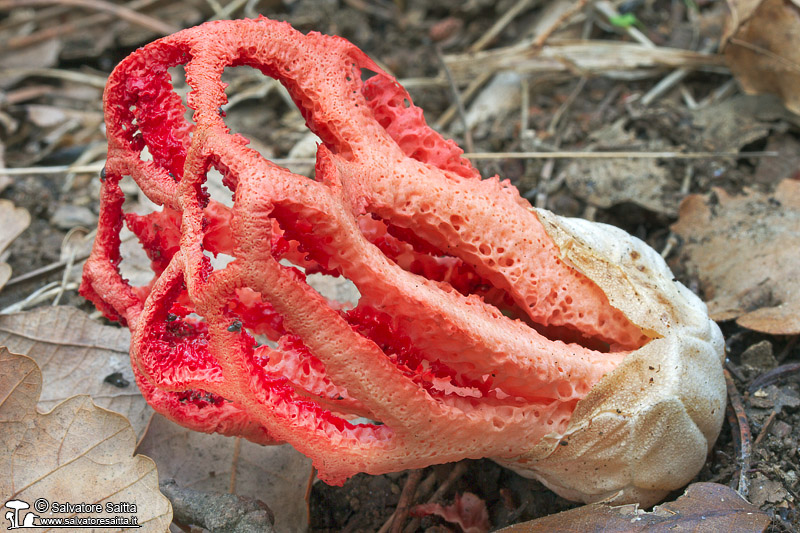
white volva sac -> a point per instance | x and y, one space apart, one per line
646 428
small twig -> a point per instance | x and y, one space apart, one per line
688 97
372 8
52 267
542 188
765 428
456 98
791 65
724 90
92 80
566 105
672 79
686 185
744 436
500 25
406 499
672 241
425 488
768 378
65 277
89 154
312 473
228 9
787 349
124 13
542 38
733 369
616 155
182 527
39 295
69 26
215 6
237 448
98 166
478 82
455 474
525 112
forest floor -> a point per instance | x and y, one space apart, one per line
51 117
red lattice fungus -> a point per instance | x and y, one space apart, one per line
473 337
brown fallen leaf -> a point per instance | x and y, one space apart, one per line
761 43
733 123
16 62
78 355
13 221
608 182
773 170
275 475
745 250
703 508
77 453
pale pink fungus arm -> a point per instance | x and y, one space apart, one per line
473 336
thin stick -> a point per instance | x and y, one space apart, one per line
406 499
65 277
229 8
478 82
457 98
616 155
553 129
309 487
424 489
765 428
500 25
96 167
124 13
744 436
566 105
458 470
525 105
52 267
763 51
69 26
767 378
788 348
92 80
237 448
542 38
672 79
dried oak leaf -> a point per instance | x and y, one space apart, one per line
745 250
608 182
77 452
703 508
275 475
762 47
78 356
13 221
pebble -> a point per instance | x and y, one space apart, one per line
68 216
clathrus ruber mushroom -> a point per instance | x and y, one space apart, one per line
561 348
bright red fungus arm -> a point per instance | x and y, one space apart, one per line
474 336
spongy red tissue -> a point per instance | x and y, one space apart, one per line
474 335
